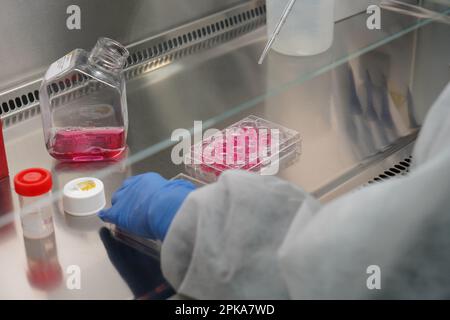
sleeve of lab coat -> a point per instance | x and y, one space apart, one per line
387 240
223 241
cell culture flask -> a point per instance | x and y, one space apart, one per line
83 104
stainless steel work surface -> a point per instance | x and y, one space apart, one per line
351 105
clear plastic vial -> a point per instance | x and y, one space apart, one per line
309 27
83 104
33 187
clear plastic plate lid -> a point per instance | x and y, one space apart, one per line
249 144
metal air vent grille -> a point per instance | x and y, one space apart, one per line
399 169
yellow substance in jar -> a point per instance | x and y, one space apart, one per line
86 185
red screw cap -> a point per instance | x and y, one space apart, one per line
33 182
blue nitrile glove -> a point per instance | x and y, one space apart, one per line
145 205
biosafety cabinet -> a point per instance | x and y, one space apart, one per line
358 108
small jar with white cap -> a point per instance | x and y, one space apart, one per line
84 197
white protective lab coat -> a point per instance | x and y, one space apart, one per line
255 237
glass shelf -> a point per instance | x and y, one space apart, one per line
360 101
226 84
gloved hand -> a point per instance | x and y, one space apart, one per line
141 271
145 205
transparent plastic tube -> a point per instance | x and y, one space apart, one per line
309 27
33 187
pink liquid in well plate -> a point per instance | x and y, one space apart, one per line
85 144
245 155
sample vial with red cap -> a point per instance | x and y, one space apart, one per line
33 187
